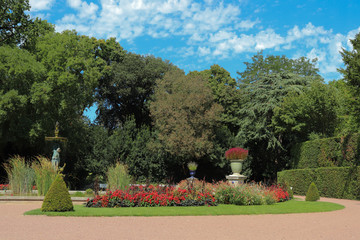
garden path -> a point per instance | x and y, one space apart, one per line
342 224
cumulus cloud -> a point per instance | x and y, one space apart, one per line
38 5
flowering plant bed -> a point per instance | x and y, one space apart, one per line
236 153
151 196
4 186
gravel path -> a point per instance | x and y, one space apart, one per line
343 224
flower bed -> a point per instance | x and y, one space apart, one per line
4 186
151 196
194 193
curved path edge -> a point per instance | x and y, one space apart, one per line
341 224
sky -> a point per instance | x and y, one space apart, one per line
194 35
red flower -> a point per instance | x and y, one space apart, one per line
236 153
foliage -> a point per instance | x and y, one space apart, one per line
312 194
225 92
45 174
118 177
192 166
313 110
334 182
236 153
57 198
4 187
150 196
327 152
13 21
185 115
127 89
21 176
351 75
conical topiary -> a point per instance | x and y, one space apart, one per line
57 198
312 193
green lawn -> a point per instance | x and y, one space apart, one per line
293 206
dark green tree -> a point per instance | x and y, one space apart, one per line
127 89
13 21
264 84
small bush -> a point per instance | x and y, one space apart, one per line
57 198
118 177
89 191
312 193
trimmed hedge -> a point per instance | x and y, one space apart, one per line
327 152
335 182
312 193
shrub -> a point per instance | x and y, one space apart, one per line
89 191
118 177
21 176
335 182
57 198
45 174
312 193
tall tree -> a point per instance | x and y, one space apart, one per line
185 115
128 88
264 87
351 75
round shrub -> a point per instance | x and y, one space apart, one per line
312 193
57 198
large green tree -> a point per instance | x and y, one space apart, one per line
264 84
185 114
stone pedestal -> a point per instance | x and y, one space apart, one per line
236 179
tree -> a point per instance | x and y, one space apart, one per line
313 110
261 66
185 114
128 88
225 92
13 20
351 75
264 84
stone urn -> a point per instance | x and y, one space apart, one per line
236 166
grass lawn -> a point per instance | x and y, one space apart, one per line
292 206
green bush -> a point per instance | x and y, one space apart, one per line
45 174
57 198
312 193
335 182
327 152
118 177
21 176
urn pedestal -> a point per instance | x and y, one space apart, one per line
236 178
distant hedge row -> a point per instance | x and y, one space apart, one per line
335 182
327 152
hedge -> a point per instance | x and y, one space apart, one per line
334 182
327 152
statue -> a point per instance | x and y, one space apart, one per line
55 160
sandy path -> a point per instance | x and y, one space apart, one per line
342 224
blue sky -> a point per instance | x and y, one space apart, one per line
196 34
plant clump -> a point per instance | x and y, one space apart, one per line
57 198
312 193
192 166
236 153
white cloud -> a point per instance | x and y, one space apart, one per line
39 5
